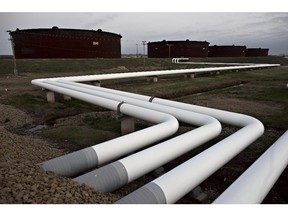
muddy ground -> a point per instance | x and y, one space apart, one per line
22 181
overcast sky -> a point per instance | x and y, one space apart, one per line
261 29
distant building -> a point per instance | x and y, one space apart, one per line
227 51
65 43
254 52
177 49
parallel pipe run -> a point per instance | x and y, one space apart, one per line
224 150
115 175
121 172
164 189
191 173
154 73
80 161
251 130
255 183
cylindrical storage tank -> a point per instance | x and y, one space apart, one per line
65 43
254 52
178 49
227 51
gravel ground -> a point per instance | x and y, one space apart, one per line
21 179
13 118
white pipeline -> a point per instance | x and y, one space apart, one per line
255 183
83 160
155 73
206 163
211 160
189 174
165 151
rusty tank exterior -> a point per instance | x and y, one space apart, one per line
65 43
177 49
254 52
227 51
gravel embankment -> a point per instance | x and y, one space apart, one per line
22 180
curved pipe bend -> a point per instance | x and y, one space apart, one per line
240 140
223 151
248 123
192 172
80 161
208 129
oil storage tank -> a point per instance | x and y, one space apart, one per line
65 43
177 49
227 51
254 52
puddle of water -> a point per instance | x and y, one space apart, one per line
37 128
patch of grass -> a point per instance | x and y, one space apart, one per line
109 124
268 74
96 130
279 120
77 104
79 136
26 100
91 66
39 107
99 123
269 92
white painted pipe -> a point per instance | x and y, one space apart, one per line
146 159
227 117
155 73
224 150
138 100
215 63
210 161
177 60
83 160
256 182
191 173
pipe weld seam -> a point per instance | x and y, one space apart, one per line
105 179
119 106
148 194
151 99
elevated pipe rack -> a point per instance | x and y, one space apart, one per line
163 189
129 167
83 160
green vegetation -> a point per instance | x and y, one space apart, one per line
92 66
266 86
80 136
100 123
95 130
84 66
38 106
27 100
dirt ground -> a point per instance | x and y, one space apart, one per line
22 181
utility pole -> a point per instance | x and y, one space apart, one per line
13 51
137 50
144 43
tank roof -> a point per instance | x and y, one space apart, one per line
178 41
55 28
228 46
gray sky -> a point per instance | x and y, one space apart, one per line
253 29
